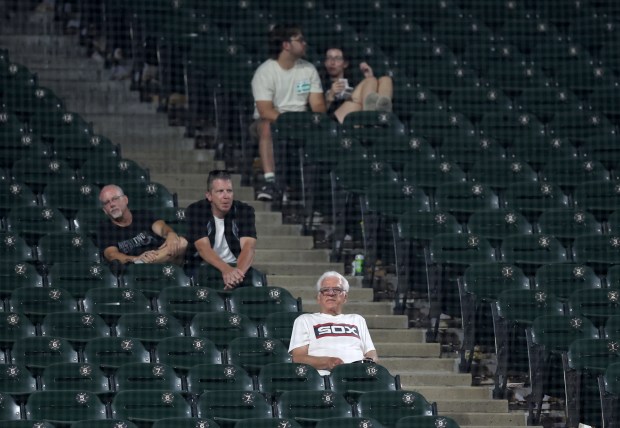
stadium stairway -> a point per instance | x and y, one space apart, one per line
288 258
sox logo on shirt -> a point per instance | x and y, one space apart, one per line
334 329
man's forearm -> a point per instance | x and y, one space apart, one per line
245 259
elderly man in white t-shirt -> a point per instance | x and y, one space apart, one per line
330 338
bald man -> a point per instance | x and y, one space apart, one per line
136 237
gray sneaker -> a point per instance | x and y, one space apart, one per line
267 192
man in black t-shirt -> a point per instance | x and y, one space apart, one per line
223 231
135 236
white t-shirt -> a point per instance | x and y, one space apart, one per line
287 89
220 246
345 336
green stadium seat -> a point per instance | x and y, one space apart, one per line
66 247
513 312
279 325
544 102
184 302
111 303
37 302
109 353
465 152
354 379
17 381
308 407
538 151
74 376
228 407
258 302
426 422
597 304
388 407
77 148
218 377
567 224
77 278
222 327
149 195
151 279
184 352
479 288
547 338
531 198
474 102
38 172
117 171
147 406
267 423
497 224
461 199
9 409
104 423
33 222
276 378
532 250
38 352
609 387
14 195
585 361
14 275
508 127
561 279
253 353
70 197
439 125
502 173
149 328
601 198
598 251
146 376
78 328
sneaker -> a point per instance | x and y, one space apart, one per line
384 104
370 102
267 192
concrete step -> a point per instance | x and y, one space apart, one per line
50 74
64 65
148 122
414 378
399 364
436 393
386 322
404 349
191 155
42 45
366 308
177 168
277 268
488 419
406 335
268 217
189 179
135 140
97 96
292 243
471 405
499 426
285 229
293 256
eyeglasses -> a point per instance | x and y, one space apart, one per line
113 199
331 291
300 39
334 58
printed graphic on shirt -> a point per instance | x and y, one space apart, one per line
140 240
302 87
333 329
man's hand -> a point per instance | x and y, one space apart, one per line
330 362
172 244
232 277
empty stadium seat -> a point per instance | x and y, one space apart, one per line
147 406
388 407
184 302
222 327
258 302
146 376
308 407
151 279
74 376
109 353
228 407
253 353
218 377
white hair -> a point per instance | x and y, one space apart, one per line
342 281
